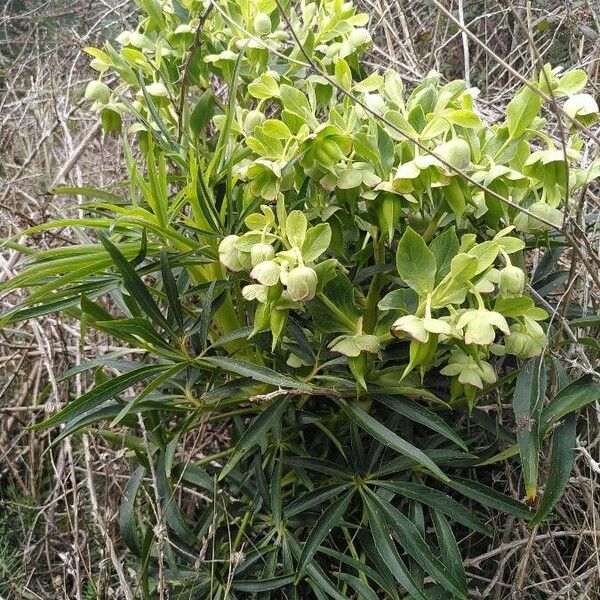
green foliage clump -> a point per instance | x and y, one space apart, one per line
333 265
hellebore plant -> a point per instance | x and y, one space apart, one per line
337 268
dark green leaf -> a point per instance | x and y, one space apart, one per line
527 402
256 372
255 432
419 414
562 457
573 397
135 286
330 517
438 500
490 497
387 437
98 394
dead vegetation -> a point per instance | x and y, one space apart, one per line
58 505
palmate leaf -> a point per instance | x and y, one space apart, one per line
313 498
573 397
135 286
490 497
255 432
437 500
418 549
387 437
330 518
254 371
450 551
128 526
387 550
424 416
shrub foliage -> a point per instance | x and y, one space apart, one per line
332 271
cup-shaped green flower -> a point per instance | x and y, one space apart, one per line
266 272
469 371
353 345
255 291
529 224
99 91
479 324
262 24
252 120
229 254
527 339
419 328
261 252
511 281
301 283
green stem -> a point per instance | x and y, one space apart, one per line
342 318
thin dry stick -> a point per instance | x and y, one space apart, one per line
465 42
116 561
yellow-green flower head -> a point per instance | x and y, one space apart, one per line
419 328
511 281
301 283
262 24
261 252
252 120
469 371
266 273
526 340
479 324
529 224
255 291
99 91
353 345
229 254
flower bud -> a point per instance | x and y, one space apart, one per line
262 24
511 281
228 253
455 152
302 283
124 38
266 273
261 252
359 37
253 118
529 224
526 339
158 90
99 91
328 153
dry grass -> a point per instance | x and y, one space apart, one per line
58 505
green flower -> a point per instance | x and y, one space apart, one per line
262 24
527 339
99 91
301 283
529 224
353 345
511 281
469 371
229 254
266 272
261 252
419 328
478 325
255 291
